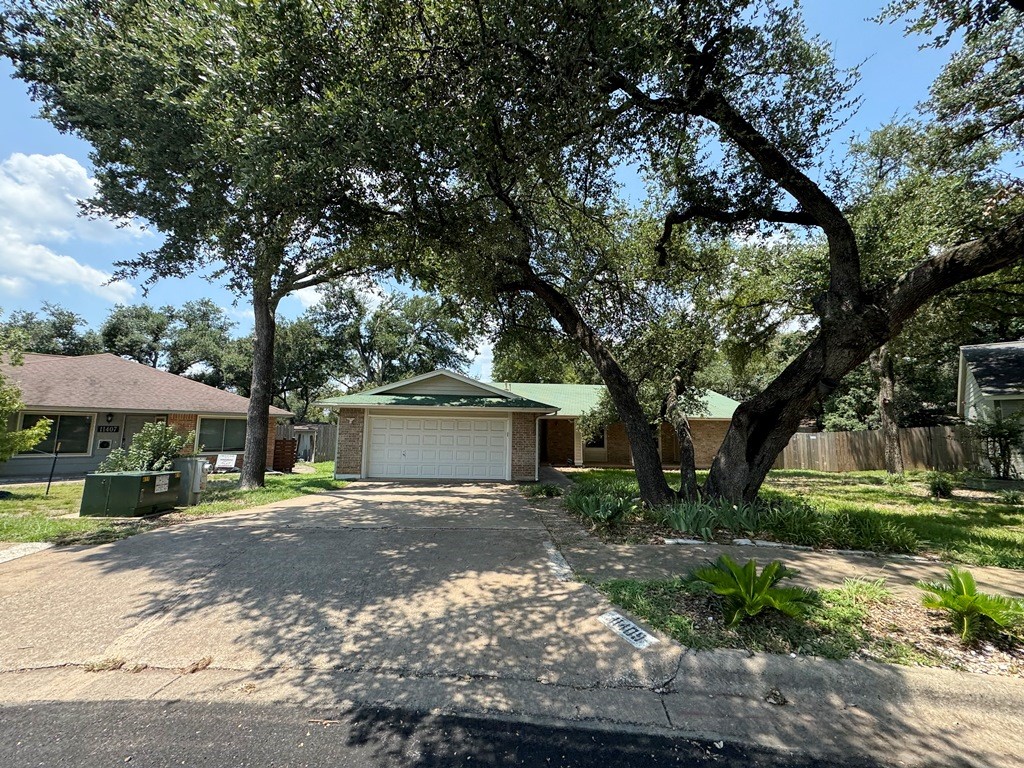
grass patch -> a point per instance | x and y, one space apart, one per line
27 514
863 510
835 626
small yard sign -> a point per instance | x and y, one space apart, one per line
633 634
225 461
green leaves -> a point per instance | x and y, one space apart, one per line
747 593
969 610
154 448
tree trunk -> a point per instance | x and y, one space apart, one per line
654 489
677 417
882 366
257 424
851 327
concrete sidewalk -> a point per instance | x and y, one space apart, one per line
441 598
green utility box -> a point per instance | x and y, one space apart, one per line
129 494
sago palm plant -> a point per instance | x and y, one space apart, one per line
969 610
747 593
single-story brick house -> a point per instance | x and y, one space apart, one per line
99 402
443 425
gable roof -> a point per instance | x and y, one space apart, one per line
439 373
506 401
106 382
576 399
998 368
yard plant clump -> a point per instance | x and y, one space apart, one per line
841 510
971 612
746 593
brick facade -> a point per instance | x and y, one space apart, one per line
524 446
188 422
617 444
349 460
560 441
183 422
707 438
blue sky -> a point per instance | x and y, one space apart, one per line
47 253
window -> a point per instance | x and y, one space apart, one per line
221 435
72 432
598 440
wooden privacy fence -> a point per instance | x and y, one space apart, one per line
944 448
314 442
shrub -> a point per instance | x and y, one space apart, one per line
940 484
693 517
1012 496
969 610
153 449
747 593
604 511
547 490
896 479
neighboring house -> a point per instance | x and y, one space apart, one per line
443 425
991 379
98 402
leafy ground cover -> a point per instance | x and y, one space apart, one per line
860 620
27 514
857 510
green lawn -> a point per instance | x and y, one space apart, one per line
29 515
972 527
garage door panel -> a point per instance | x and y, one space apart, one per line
441 448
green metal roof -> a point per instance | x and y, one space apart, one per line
569 399
576 399
389 400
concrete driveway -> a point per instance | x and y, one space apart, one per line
414 580
435 598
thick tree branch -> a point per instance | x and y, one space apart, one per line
844 256
696 211
952 266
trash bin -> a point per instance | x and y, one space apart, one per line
129 494
194 470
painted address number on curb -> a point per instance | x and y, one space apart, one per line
627 630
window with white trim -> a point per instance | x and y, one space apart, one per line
598 440
72 432
221 435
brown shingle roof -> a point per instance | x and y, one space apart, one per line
106 382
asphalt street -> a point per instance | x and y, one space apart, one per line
152 734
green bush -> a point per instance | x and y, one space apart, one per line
547 490
940 484
693 517
747 593
1012 496
604 511
969 610
897 479
152 450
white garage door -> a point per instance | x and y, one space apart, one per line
463 449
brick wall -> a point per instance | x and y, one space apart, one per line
617 444
560 441
524 446
350 442
183 422
669 444
707 439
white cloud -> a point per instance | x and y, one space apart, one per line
39 197
30 262
480 367
308 297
